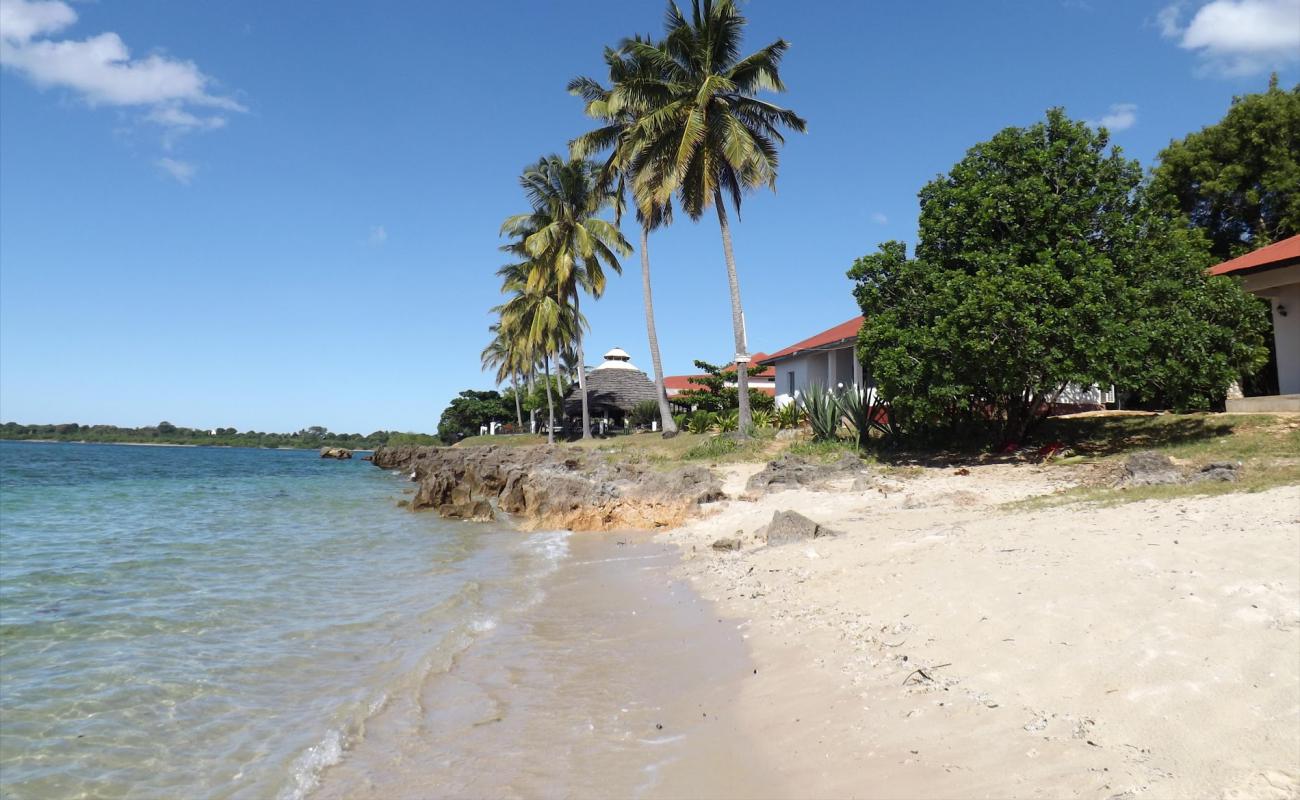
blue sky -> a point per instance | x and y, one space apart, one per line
275 215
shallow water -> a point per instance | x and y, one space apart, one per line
212 623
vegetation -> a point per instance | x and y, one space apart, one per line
1039 255
1239 179
167 433
702 133
822 408
469 411
568 246
715 394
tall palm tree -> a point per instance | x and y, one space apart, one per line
567 244
618 135
704 134
504 354
539 325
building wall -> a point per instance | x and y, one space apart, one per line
813 368
1286 330
1282 288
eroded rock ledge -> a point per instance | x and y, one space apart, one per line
550 487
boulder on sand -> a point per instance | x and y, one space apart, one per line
335 452
1225 471
791 526
1149 468
791 472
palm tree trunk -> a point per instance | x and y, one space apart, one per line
550 406
519 408
582 373
665 413
737 321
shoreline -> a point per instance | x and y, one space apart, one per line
173 444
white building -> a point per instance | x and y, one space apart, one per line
1273 272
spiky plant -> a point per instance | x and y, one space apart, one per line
823 411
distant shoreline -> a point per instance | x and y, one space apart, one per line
174 444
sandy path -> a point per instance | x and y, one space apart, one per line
1144 650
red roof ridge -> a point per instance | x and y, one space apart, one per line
845 330
1266 256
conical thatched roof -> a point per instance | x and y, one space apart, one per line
615 391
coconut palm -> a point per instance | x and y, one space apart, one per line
508 356
567 245
538 324
701 132
618 136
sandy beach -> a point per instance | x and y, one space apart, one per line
945 645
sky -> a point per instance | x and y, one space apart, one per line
274 215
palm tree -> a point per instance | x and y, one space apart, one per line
618 135
538 324
505 354
702 133
567 244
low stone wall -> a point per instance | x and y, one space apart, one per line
550 486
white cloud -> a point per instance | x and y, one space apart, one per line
100 69
378 236
1120 117
1237 37
879 218
182 171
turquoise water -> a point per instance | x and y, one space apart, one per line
213 623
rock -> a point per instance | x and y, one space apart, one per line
726 544
791 526
791 472
1225 471
548 486
1149 468
335 452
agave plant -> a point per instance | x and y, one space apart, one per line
823 410
865 413
728 421
763 419
789 415
701 421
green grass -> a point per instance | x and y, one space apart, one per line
827 451
513 440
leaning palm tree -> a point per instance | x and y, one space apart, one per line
618 135
539 325
703 133
504 353
568 246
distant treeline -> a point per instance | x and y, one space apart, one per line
167 433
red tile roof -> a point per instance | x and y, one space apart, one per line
1273 255
841 332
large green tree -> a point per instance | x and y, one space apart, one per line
468 411
1239 179
1040 263
701 132
568 245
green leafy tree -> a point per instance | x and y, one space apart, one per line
716 395
468 412
701 132
1239 179
1040 264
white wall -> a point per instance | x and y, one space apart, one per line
812 368
1286 331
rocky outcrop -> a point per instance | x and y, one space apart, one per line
335 452
791 526
793 472
550 487
1150 468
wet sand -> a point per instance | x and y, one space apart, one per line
620 682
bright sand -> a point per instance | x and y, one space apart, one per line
944 646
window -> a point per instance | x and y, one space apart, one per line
790 377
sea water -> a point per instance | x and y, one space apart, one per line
180 622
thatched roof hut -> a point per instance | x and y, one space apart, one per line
613 388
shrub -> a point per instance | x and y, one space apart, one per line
700 421
644 412
728 421
789 415
823 410
762 419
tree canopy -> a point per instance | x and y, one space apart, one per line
1239 179
1040 263
469 411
